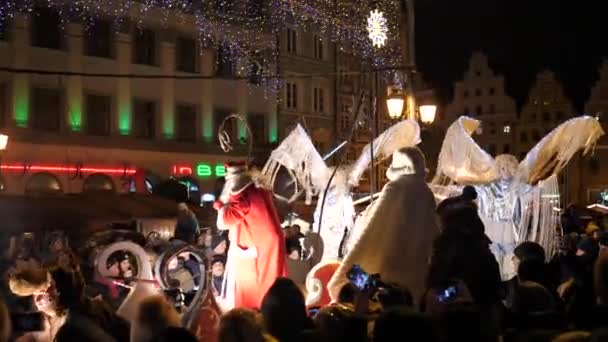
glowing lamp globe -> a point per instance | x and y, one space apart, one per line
3 141
427 113
395 104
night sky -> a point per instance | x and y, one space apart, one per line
520 38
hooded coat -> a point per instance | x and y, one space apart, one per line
256 256
394 236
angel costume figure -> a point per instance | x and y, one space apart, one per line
298 155
517 201
256 256
398 229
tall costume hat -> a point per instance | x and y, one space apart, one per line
237 174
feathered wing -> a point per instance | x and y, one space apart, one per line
556 149
299 156
405 133
461 160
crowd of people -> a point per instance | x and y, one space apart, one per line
563 298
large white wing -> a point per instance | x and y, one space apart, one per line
405 133
554 151
299 156
461 160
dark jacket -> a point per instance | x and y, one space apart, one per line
468 258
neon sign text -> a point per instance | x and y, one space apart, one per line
202 170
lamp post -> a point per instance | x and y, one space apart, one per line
395 104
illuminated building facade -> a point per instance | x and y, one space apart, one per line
72 126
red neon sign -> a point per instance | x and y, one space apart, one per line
21 168
182 170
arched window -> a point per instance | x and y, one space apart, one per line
43 183
98 182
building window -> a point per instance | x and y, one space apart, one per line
291 96
559 116
477 73
491 91
257 124
144 47
523 137
98 114
229 126
98 41
185 54
186 122
344 122
46 109
492 109
46 29
546 116
318 103
535 135
479 110
506 149
465 94
466 111
225 67
144 119
506 129
492 129
318 43
478 92
292 39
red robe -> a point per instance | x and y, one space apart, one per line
254 230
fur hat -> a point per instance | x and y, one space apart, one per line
237 175
406 161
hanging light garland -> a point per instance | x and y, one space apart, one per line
248 32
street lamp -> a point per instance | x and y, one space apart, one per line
395 102
427 113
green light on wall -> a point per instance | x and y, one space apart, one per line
207 128
21 107
76 121
273 135
75 115
169 126
124 120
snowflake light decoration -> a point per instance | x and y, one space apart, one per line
376 27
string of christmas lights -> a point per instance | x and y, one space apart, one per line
246 32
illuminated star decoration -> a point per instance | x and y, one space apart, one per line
376 27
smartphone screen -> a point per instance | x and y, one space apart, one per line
447 294
26 322
358 277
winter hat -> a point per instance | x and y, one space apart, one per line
406 161
469 193
216 241
237 176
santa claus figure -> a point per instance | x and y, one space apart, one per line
256 256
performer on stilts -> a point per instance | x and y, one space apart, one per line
256 256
